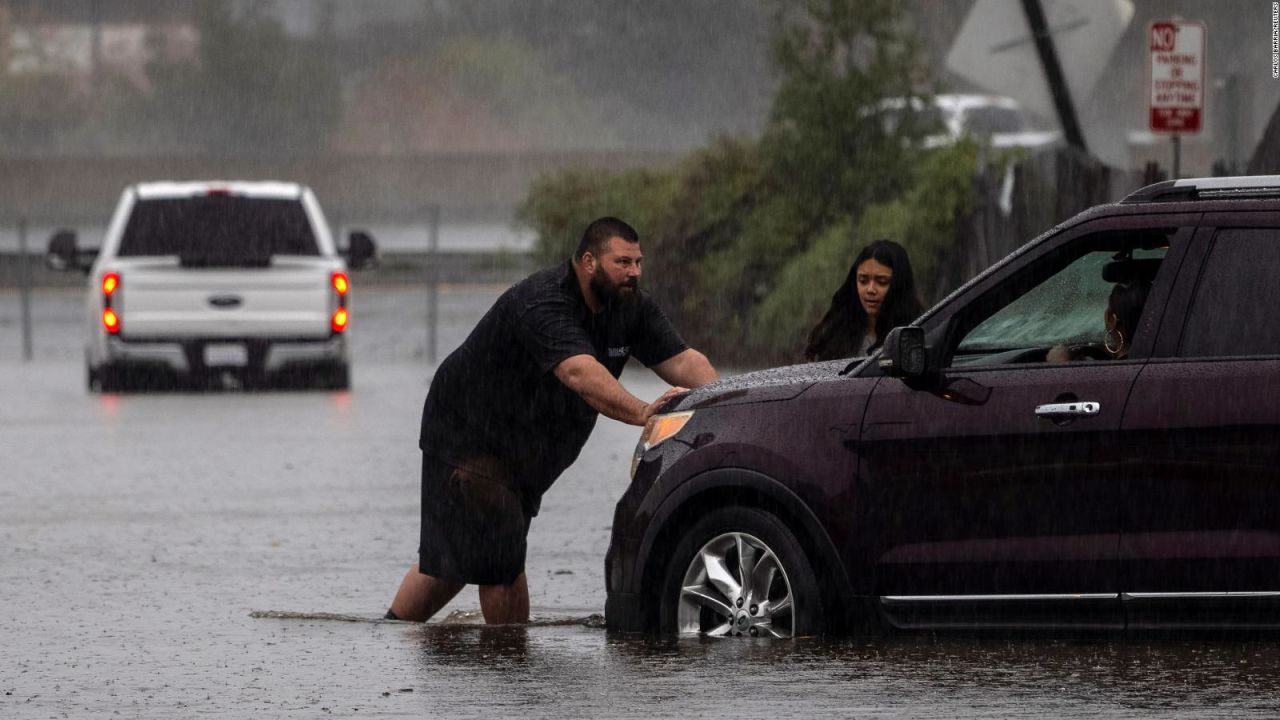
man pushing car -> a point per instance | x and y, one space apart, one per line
511 408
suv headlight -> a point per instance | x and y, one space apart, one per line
659 428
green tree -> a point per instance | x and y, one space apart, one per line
839 61
749 238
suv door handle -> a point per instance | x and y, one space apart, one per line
1079 408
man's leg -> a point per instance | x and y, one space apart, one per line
505 604
421 596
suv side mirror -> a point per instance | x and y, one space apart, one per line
360 249
904 354
63 255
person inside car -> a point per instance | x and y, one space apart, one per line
1124 308
878 294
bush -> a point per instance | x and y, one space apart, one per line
747 240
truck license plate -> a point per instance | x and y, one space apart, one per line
223 354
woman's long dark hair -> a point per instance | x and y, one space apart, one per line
839 333
1126 302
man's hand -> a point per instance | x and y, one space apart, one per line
652 407
585 375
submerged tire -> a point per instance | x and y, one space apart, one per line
339 377
105 378
740 571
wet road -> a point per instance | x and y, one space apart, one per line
228 554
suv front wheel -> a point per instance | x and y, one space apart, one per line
740 571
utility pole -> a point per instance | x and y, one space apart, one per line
95 41
1053 74
24 283
433 283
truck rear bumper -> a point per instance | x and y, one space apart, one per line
188 355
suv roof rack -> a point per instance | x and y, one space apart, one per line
1242 186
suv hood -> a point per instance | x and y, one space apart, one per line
771 385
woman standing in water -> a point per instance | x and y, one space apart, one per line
878 295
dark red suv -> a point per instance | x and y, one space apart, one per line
1005 462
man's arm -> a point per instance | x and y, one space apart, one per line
688 368
585 375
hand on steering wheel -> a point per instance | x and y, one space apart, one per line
1089 351
1081 351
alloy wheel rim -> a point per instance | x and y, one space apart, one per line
736 586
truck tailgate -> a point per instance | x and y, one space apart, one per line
292 301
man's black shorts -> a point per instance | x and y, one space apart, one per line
473 522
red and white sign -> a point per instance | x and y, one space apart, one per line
1175 68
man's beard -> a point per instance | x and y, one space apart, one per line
609 292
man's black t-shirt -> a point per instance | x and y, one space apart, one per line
496 395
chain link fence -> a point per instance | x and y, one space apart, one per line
436 276
415 304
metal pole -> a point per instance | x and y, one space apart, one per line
95 41
433 281
24 284
988 218
1177 156
1054 76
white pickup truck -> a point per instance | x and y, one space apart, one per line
216 280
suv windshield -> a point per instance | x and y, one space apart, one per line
218 230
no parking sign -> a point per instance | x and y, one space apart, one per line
1175 68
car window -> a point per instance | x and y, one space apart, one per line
925 119
1232 313
1067 308
218 230
989 120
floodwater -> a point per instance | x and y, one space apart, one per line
230 554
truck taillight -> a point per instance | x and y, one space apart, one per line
110 286
111 321
341 286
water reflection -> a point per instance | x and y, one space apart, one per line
489 647
901 676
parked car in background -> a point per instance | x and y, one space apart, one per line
999 120
206 279
959 479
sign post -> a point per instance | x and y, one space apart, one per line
1175 80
